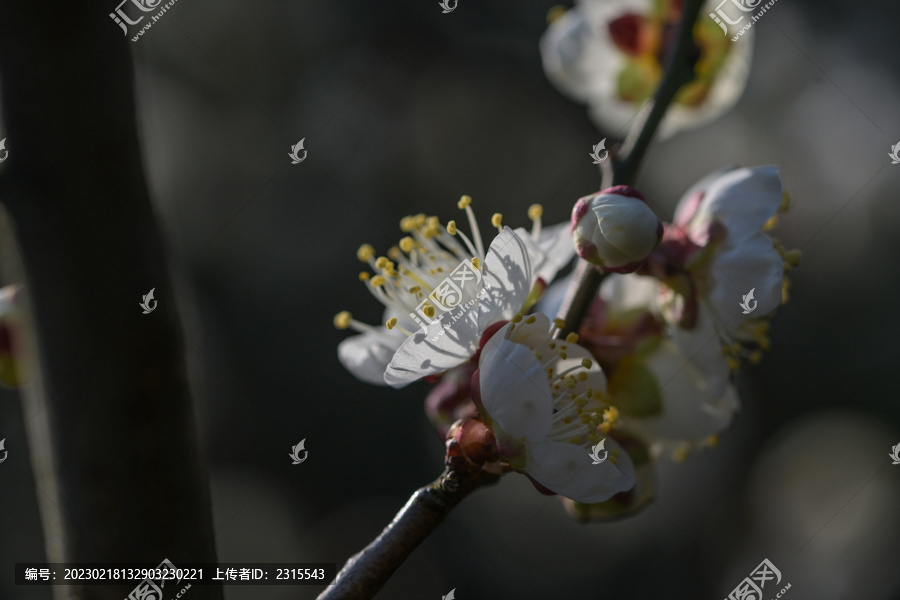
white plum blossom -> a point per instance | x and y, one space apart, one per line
420 339
609 54
545 401
614 229
717 250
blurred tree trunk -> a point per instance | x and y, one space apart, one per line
128 483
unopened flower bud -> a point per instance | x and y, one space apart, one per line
614 229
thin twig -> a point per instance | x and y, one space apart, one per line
367 572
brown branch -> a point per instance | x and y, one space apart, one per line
367 572
120 440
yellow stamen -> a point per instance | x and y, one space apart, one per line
587 363
342 319
406 244
496 220
712 440
535 212
451 227
381 262
476 264
785 201
428 310
365 253
516 318
391 323
555 13
364 276
771 223
378 280
531 319
464 202
559 323
572 338
563 355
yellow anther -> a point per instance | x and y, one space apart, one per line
712 440
552 345
611 415
476 264
785 201
594 437
496 219
681 454
365 253
755 357
535 212
464 202
555 13
785 287
589 393
605 427
587 363
381 262
575 440
391 323
771 223
570 384
378 280
582 376
419 219
342 319
364 276
516 318
563 355
406 244
407 223
572 338
792 257
531 319
394 253
414 289
428 310
451 227
560 323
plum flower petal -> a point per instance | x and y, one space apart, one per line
503 290
545 401
561 467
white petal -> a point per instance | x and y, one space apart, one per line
367 355
555 250
568 470
515 390
444 345
743 200
629 291
754 264
507 279
696 403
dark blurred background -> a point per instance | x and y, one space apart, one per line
403 109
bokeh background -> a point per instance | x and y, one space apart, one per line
403 109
